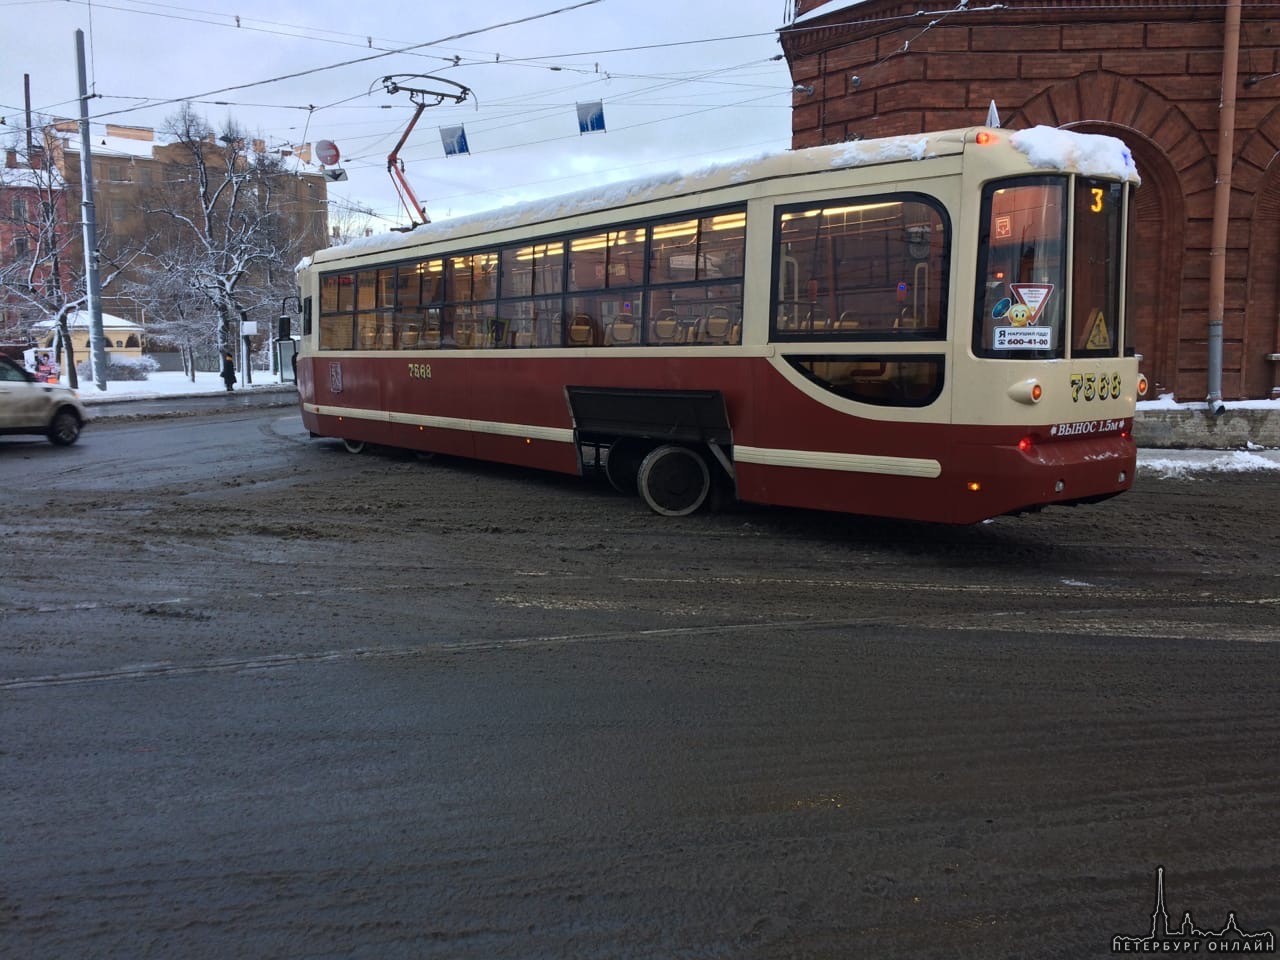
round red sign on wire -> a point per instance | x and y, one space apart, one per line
327 152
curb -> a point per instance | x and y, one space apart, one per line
1232 429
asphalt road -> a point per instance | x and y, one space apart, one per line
263 698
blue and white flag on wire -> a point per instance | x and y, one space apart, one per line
591 117
454 140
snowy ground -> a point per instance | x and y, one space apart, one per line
171 384
1165 463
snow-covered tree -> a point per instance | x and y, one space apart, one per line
220 221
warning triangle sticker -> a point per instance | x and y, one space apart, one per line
1034 295
1099 335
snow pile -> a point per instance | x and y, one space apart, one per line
1088 153
1166 402
1235 461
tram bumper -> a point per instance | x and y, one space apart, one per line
1033 473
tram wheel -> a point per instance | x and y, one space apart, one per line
622 466
354 446
674 481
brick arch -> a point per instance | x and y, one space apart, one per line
1124 105
1261 327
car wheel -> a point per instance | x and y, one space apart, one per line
64 429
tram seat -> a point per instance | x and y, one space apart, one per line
621 330
906 320
581 331
465 335
846 321
386 339
431 338
665 328
368 340
715 327
409 337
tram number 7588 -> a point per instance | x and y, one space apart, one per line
1092 386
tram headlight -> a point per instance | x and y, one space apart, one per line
1027 391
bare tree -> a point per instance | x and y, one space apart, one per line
347 223
219 223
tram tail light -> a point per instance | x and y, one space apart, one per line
1025 445
1027 391
1142 385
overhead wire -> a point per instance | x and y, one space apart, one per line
357 60
632 97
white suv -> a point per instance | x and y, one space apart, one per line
27 406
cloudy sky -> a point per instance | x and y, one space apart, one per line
684 84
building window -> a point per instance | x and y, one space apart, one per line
19 209
20 246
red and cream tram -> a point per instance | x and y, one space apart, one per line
928 327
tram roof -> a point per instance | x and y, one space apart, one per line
1044 147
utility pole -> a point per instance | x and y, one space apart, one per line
97 342
1222 202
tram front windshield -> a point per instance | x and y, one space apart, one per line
1023 296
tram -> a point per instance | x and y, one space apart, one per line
926 327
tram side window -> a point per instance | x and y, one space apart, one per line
419 287
693 296
865 268
337 303
606 271
373 320
889 380
470 318
1021 270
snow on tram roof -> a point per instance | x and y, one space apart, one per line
660 186
1044 146
1090 154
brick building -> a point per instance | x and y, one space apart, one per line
21 200
131 170
1148 72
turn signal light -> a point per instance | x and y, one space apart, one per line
1142 385
973 486
1026 391
983 138
1025 445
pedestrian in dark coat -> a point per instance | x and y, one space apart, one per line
229 372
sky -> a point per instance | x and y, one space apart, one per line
683 85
